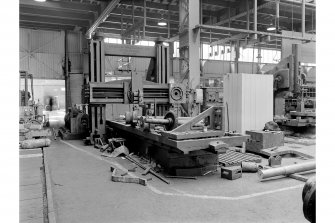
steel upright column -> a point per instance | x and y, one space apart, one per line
189 48
97 74
67 75
303 17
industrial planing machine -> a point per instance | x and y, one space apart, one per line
168 122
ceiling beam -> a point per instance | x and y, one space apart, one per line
152 5
61 5
137 14
149 23
208 27
102 17
229 39
239 15
149 33
51 20
294 3
55 13
220 3
287 15
116 26
33 25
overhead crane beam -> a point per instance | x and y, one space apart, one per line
102 17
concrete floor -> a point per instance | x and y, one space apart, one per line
31 192
83 192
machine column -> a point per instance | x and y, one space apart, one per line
97 74
189 49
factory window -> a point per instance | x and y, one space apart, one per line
215 52
176 49
112 40
267 55
145 43
246 55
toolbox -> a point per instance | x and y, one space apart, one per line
231 172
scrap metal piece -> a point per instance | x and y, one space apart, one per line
298 177
132 169
182 177
251 167
146 171
127 179
122 150
143 167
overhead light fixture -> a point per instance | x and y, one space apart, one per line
271 27
162 22
40 0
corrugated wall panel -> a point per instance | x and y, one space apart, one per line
24 63
73 42
46 66
76 62
47 41
76 82
41 53
24 40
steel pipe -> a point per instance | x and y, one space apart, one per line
286 170
158 121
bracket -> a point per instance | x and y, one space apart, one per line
216 120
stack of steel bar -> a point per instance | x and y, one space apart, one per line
232 158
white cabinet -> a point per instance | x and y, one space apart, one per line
250 101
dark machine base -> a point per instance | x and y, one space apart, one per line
176 156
